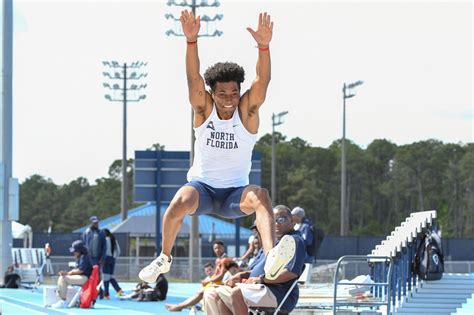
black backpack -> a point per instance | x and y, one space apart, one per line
429 260
318 237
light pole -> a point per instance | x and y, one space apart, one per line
9 202
119 72
277 119
344 208
194 248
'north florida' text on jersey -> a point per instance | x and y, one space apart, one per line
222 152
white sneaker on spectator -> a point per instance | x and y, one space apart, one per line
159 265
60 304
279 256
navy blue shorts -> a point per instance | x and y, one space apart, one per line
224 202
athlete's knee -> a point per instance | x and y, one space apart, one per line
180 206
263 194
257 196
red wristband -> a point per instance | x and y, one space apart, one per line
193 42
263 48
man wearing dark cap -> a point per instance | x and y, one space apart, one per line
76 276
94 240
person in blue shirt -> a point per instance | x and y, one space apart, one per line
235 299
94 239
303 225
76 276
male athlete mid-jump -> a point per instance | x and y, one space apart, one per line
225 124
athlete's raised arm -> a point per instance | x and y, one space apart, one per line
198 97
263 36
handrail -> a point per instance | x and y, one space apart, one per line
385 277
405 233
401 246
398 250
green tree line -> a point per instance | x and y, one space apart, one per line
386 183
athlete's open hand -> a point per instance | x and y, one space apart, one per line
190 24
264 32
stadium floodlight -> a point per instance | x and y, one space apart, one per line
353 85
120 73
194 248
344 209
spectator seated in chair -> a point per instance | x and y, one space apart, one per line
11 280
269 280
76 276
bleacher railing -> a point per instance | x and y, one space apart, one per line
381 274
401 246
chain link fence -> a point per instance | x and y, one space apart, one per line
127 268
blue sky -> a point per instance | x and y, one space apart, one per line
414 57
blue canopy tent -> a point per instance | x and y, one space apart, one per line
141 223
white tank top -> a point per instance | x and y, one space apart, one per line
222 152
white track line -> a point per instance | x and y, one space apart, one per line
20 306
34 304
65 311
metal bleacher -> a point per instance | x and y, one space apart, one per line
396 285
466 308
411 295
445 296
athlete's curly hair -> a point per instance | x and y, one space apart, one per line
224 72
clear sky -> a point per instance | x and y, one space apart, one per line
415 59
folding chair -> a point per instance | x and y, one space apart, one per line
278 311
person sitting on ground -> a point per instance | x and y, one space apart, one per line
219 251
158 293
209 272
144 292
212 279
76 276
142 285
275 273
11 280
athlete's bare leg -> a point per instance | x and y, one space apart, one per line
185 202
256 199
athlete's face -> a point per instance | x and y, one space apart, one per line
226 95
